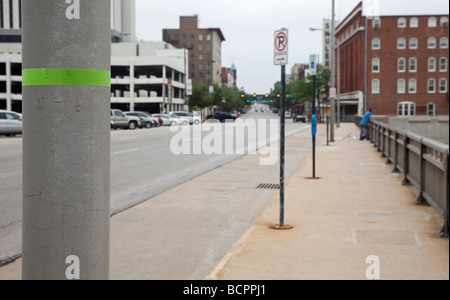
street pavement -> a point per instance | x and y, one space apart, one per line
356 210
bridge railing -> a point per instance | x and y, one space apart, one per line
423 162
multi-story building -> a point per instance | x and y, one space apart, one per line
145 76
298 72
406 59
229 77
205 49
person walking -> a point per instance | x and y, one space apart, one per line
365 133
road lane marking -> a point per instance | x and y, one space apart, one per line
126 151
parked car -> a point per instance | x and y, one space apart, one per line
168 121
147 121
10 123
123 121
192 119
183 120
223 116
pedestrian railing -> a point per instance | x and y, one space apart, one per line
423 162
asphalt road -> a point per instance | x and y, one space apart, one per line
142 166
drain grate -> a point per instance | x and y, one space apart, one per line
268 186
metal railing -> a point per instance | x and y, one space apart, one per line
423 162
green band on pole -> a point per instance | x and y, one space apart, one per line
74 77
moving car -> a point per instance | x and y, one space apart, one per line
10 123
300 118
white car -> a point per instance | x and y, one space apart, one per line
189 116
169 121
183 120
10 123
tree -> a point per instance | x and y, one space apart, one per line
199 98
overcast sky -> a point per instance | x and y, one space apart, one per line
249 25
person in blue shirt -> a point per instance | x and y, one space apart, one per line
365 133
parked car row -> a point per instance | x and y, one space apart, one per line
132 120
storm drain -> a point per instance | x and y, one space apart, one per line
268 186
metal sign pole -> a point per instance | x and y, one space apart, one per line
282 142
66 82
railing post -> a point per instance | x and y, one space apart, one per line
405 161
445 230
395 170
421 200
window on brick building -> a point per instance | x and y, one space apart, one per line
413 43
431 86
376 23
406 109
412 86
376 65
431 43
432 64
443 64
414 22
431 109
413 64
401 43
200 37
401 86
375 86
376 43
401 22
401 65
200 47
208 37
200 57
444 22
443 43
432 22
443 85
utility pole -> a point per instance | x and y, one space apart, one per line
66 141
333 68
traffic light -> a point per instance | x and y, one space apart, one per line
267 98
254 98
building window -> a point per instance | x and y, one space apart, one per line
208 37
414 22
200 66
401 86
376 65
431 109
200 37
401 22
168 37
208 47
412 86
443 42
192 37
431 86
401 43
431 43
376 44
192 56
432 64
413 64
401 65
192 66
443 64
184 37
376 23
432 22
200 57
375 86
443 85
200 47
406 109
444 22
413 43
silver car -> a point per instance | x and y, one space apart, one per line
10 123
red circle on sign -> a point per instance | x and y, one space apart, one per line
281 42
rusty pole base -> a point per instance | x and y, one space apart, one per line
279 227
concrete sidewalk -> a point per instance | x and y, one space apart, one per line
357 209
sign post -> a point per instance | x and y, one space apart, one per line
281 59
313 73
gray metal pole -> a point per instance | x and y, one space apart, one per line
66 139
282 141
339 86
333 71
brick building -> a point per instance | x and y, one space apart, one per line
205 49
407 64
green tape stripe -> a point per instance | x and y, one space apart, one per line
78 77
